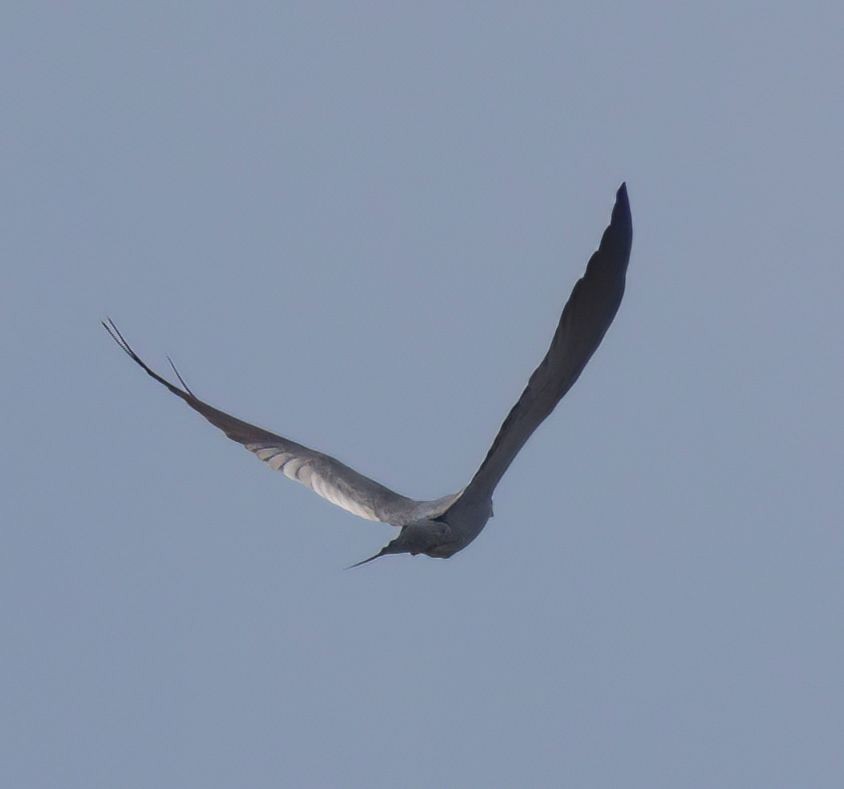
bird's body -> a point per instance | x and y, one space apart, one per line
442 527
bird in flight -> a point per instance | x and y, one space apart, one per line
442 527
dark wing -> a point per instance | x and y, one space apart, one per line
585 319
324 475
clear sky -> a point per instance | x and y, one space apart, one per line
356 225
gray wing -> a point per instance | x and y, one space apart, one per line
585 319
324 475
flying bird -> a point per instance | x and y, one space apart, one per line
444 526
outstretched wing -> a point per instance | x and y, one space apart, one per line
324 475
585 319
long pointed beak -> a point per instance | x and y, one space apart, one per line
380 553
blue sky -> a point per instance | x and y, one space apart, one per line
357 225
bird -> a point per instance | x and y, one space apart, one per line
441 527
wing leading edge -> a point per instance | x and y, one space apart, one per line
324 475
586 317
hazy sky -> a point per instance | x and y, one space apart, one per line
356 224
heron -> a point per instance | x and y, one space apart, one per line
441 527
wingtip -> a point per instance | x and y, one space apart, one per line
621 210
